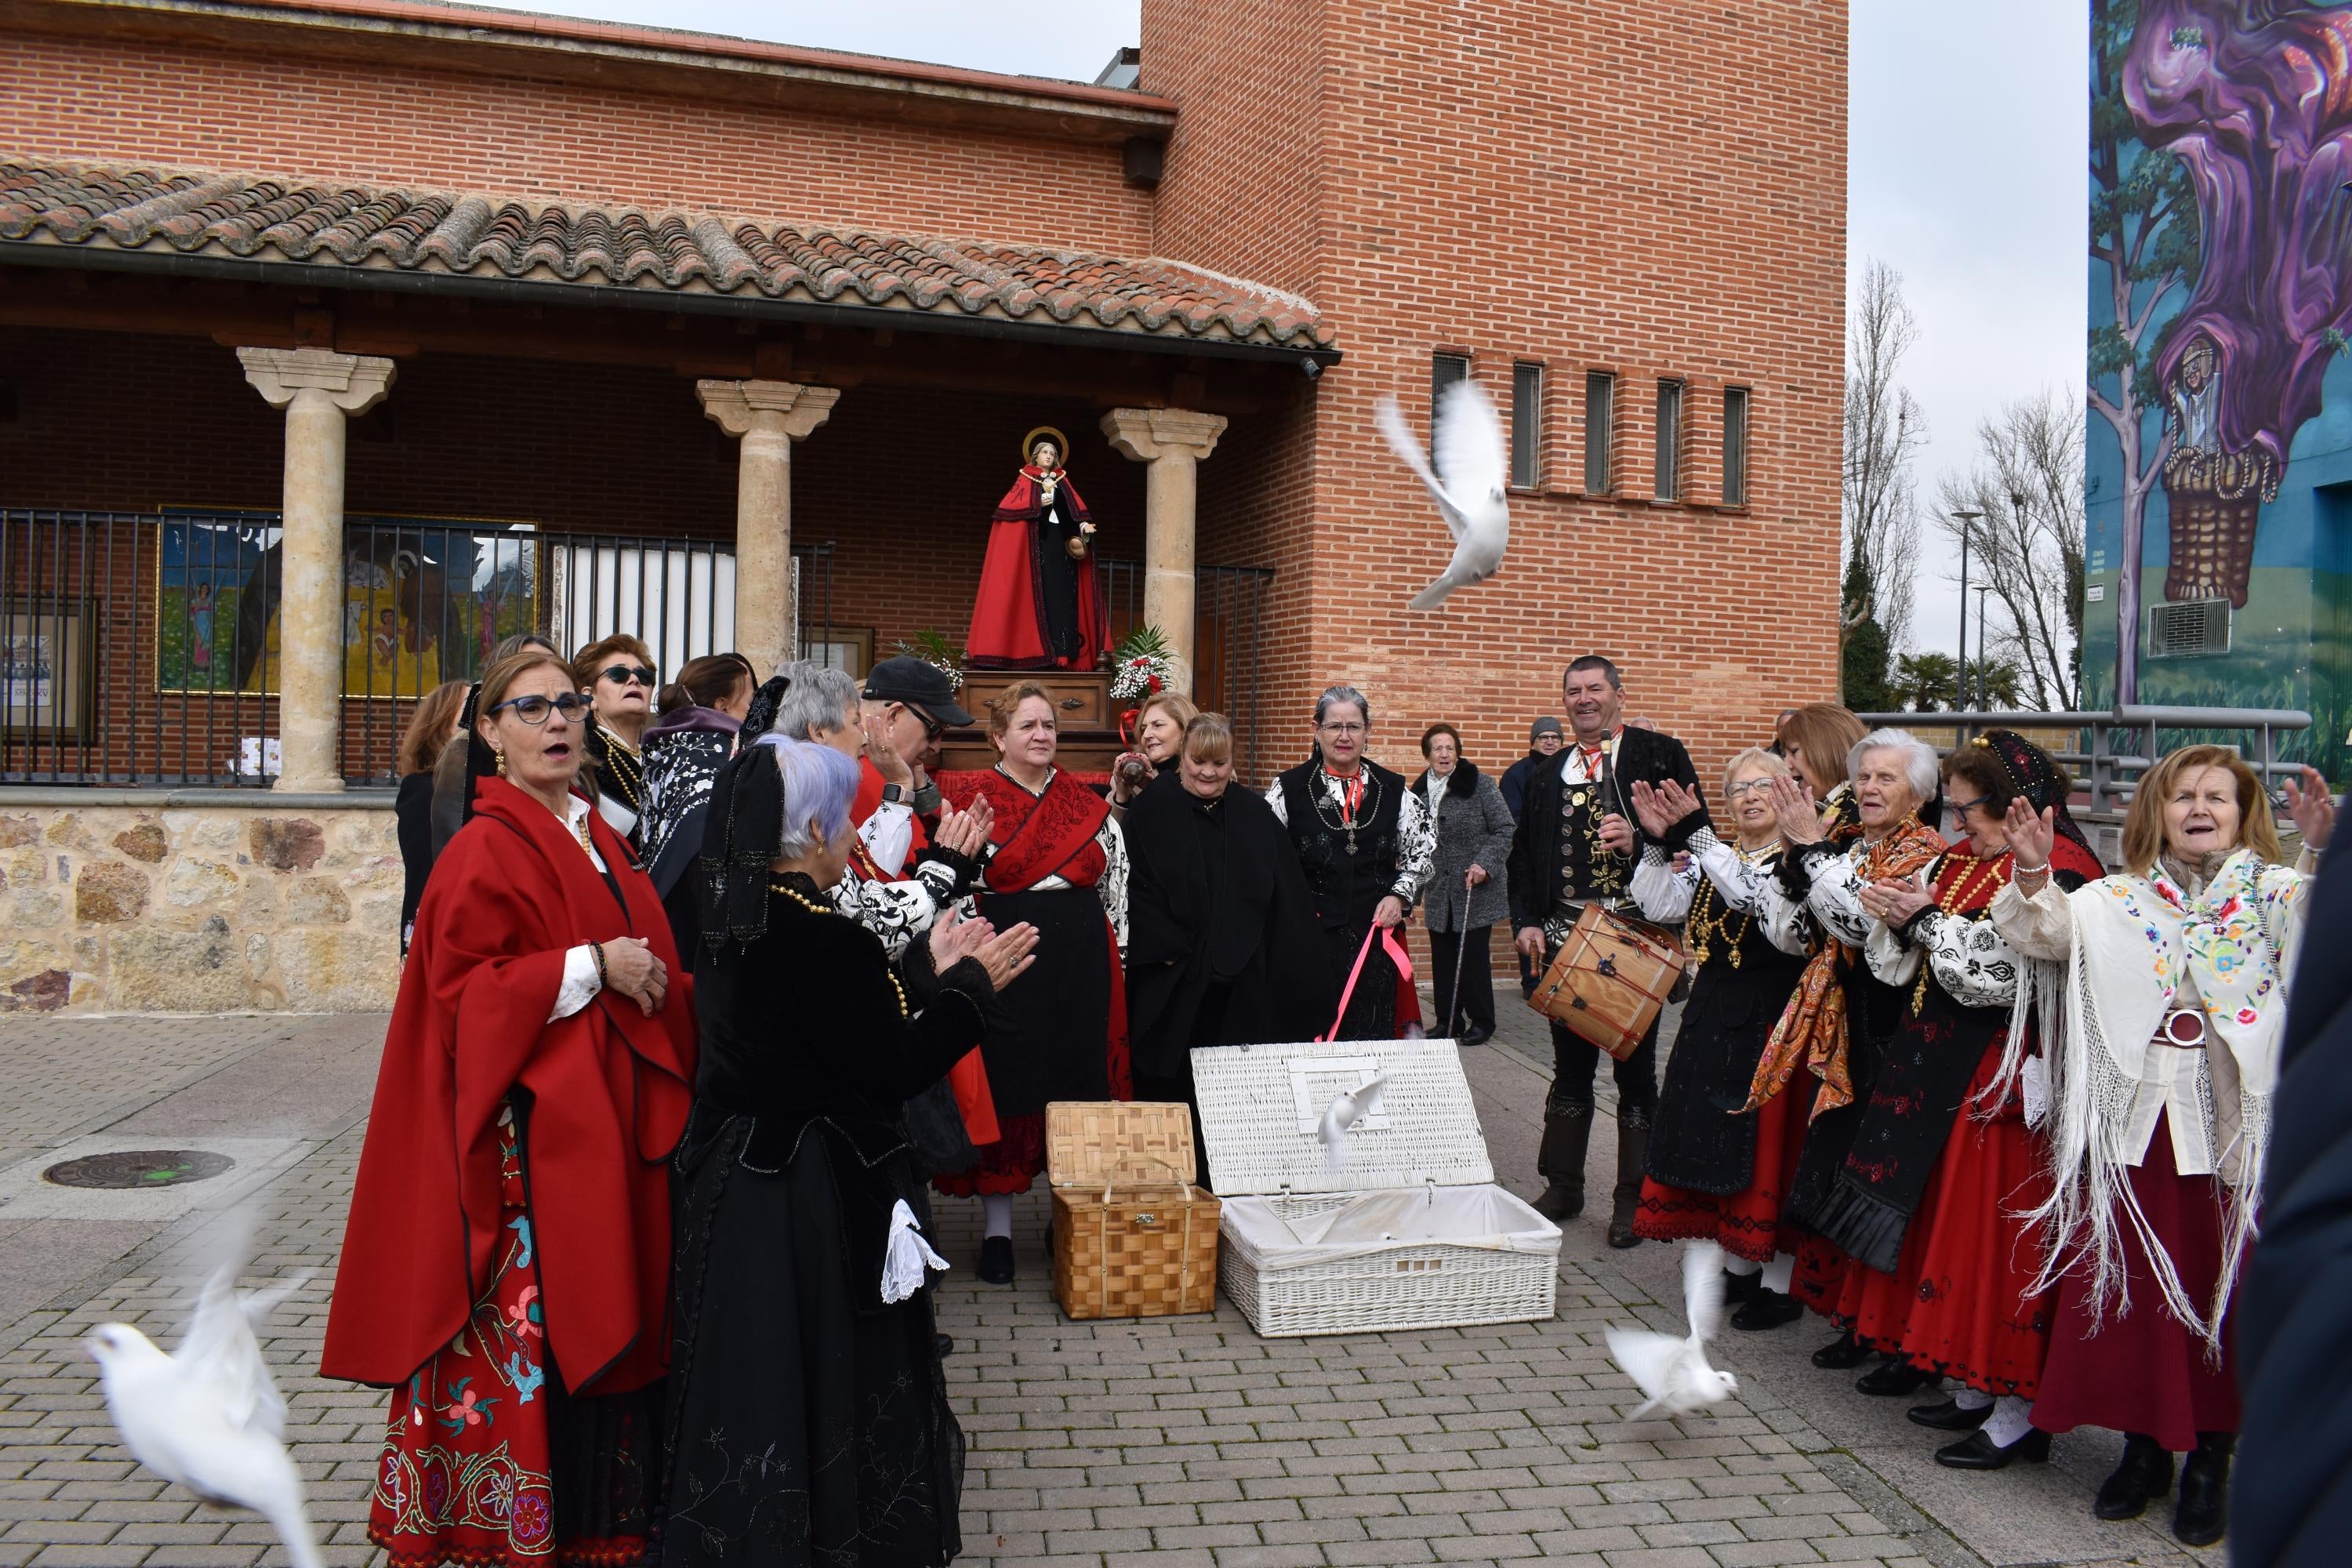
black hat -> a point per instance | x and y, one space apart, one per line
1542 727
918 683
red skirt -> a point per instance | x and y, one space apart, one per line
466 1475
1973 1315
1011 1165
1819 1279
1747 1224
2143 1371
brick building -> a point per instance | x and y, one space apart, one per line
707 306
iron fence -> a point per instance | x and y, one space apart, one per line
142 649
1228 611
2112 750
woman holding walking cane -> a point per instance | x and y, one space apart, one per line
1468 886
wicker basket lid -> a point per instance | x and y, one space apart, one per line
1089 1142
1262 1110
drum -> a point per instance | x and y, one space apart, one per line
1609 979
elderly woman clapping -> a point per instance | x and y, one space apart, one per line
1832 1037
2161 989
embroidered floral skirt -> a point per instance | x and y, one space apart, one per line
1748 1222
487 1462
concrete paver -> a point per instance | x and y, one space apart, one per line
1185 1443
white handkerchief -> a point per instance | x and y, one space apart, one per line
907 1255
2034 1083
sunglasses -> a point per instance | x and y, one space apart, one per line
535 710
622 674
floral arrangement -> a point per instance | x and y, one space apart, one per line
934 649
1140 665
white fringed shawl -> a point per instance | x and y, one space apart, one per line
2237 938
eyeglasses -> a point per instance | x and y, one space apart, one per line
622 674
932 728
1343 729
535 710
1960 808
1749 786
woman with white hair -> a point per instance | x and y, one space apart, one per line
2163 991
1836 1028
809 1417
1714 1173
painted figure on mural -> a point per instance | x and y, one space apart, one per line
1041 604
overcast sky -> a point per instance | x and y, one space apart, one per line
1966 153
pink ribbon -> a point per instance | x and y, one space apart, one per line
1396 954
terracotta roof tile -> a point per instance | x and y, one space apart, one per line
355 226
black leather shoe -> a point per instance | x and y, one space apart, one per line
1950 1417
1477 1035
2144 1474
1738 1290
1841 1354
1977 1452
1894 1377
2202 1516
1768 1309
996 1259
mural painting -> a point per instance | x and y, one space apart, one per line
2221 242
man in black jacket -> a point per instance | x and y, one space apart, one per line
1546 736
1577 842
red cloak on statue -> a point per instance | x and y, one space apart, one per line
1009 618
610 1089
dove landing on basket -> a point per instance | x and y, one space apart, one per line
1674 1374
1466 437
210 1417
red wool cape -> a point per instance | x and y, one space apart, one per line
610 1091
1006 633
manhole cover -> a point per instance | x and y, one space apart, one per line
134 1168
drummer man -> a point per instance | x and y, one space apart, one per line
1575 843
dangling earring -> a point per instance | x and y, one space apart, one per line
502 764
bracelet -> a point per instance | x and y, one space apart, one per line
596 952
2040 870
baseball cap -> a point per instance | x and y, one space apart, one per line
918 684
1545 726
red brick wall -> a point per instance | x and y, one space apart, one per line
1651 186
130 102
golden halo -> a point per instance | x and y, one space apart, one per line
1029 442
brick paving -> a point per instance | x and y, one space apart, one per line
1186 1442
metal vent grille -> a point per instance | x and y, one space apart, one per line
2198 627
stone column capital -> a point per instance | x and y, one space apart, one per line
1144 433
351 383
742 406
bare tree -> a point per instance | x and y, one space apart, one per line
2027 546
1883 430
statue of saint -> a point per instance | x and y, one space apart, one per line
1041 604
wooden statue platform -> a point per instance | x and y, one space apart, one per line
1088 719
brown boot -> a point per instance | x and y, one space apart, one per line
1632 1151
1568 1130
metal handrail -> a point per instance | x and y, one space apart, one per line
2104 765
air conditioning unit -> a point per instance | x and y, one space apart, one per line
2196 629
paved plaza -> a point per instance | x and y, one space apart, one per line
1184 1442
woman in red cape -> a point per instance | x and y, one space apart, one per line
1041 604
1061 865
506 1266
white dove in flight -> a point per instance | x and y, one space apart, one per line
210 1417
1671 1371
1344 1111
1466 436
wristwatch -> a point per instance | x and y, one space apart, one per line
893 796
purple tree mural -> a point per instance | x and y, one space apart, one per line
2252 104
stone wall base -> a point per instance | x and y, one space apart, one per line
207 908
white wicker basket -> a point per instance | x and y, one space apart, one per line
1450 1248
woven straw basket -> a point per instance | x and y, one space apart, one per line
1133 1237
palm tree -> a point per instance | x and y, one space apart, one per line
1926 682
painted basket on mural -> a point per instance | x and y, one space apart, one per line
1410 1232
1610 978
1133 1237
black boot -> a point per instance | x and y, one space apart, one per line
996 1259
2144 1474
1894 1377
1769 1309
1632 1153
2203 1514
1568 1132
1738 1290
1977 1452
1841 1353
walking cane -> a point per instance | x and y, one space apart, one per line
1461 952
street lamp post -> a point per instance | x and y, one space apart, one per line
1982 589
1967 520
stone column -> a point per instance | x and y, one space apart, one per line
320 390
765 418
1173 441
